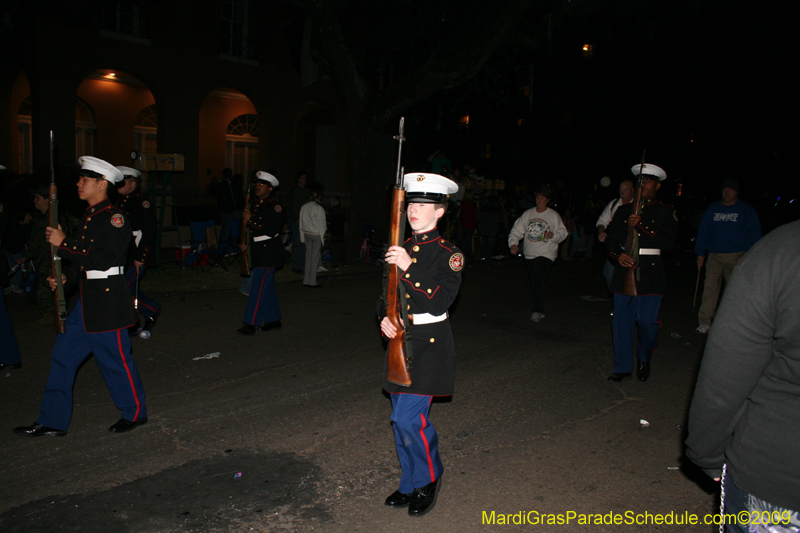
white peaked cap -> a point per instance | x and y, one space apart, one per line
128 171
104 168
650 170
428 188
269 178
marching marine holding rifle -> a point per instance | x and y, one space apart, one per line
143 225
430 274
98 313
264 224
656 227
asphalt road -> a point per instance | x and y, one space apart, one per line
289 430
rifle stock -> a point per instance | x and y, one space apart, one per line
630 288
244 260
60 302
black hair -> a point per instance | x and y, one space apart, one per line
545 191
86 173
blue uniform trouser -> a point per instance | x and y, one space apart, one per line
9 349
416 441
630 311
262 303
147 306
112 351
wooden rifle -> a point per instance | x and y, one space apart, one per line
244 259
632 244
60 317
397 361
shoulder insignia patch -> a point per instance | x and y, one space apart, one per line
146 204
675 215
457 262
117 220
277 208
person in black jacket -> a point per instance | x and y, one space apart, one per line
142 217
98 313
264 222
743 417
657 227
431 276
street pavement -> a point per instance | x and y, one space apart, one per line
289 430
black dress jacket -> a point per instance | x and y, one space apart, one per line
266 221
142 217
431 283
103 241
658 229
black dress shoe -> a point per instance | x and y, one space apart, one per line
150 323
246 329
312 286
270 325
13 366
423 499
297 270
38 430
398 499
643 370
619 376
123 425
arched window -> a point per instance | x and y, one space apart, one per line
144 130
244 125
242 145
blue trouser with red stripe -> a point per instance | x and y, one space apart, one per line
416 441
262 303
112 351
147 306
630 311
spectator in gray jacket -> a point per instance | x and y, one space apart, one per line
747 398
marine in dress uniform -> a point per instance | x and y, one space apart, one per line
99 312
657 227
431 276
142 218
266 253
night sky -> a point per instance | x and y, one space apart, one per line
704 88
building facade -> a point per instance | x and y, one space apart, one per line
225 83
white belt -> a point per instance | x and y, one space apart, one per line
649 251
103 274
261 238
426 318
137 236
